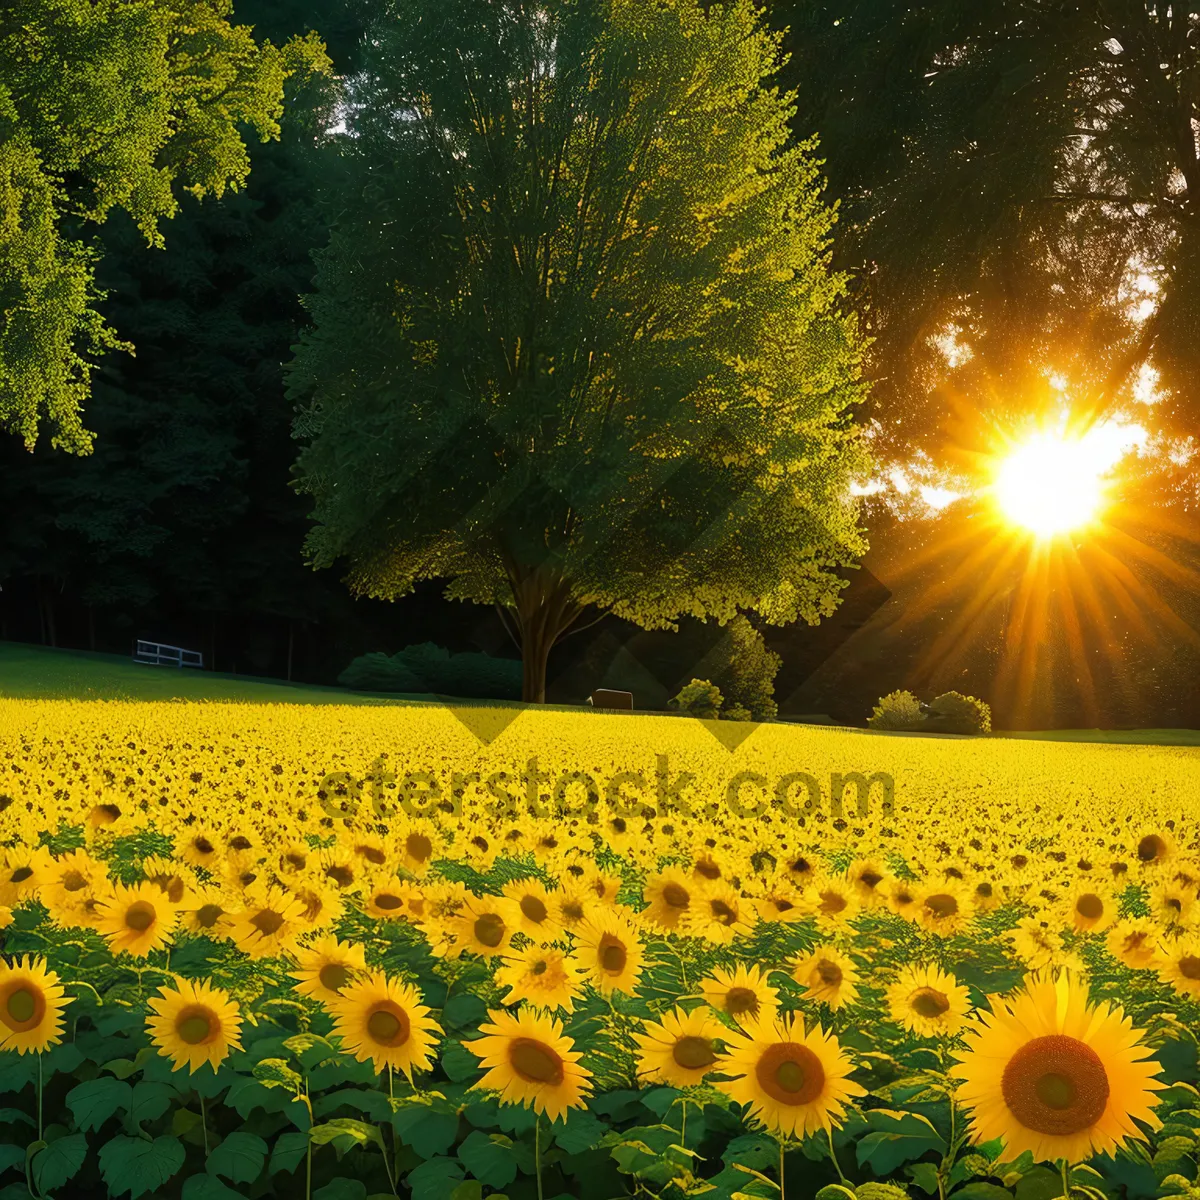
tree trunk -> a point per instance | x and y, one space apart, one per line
545 610
291 646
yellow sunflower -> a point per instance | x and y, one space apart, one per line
679 1048
742 994
668 896
571 905
269 924
828 977
384 1021
544 977
943 908
928 1002
484 926
207 910
834 902
795 1082
1090 907
326 967
1178 963
609 952
23 870
869 877
1036 944
201 846
719 913
1134 941
387 901
531 910
194 1023
530 1062
135 920
1154 849
1048 1073
31 1005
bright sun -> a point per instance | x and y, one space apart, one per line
1052 484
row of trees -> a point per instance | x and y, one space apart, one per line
569 386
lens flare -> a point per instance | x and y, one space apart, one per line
1052 484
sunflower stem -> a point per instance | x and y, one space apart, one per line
1065 1167
204 1124
537 1152
782 1192
39 1098
837 1166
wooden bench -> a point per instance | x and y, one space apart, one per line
607 698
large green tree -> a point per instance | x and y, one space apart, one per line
576 342
1026 178
110 104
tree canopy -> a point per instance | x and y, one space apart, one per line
575 338
110 104
1019 188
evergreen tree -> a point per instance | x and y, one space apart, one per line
576 340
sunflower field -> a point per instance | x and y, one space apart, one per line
348 953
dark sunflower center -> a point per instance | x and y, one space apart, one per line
790 1074
388 1026
21 874
373 855
1090 907
140 916
340 875
832 903
240 843
267 922
418 847
388 901
722 913
489 929
533 909
540 967
1055 1085
202 845
984 890
195 1025
829 973
74 881
927 1002
1189 967
22 1007
572 910
1151 847
740 1000
613 955
675 896
693 1053
870 879
299 861
207 915
941 904
535 1062
333 977
708 869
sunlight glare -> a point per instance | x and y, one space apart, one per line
1052 484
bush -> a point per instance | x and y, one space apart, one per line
700 698
897 710
952 712
744 669
429 668
737 712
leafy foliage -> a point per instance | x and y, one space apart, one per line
105 106
613 369
428 668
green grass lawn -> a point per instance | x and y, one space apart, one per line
36 672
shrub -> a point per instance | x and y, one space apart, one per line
737 712
428 668
897 710
952 712
700 698
744 669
